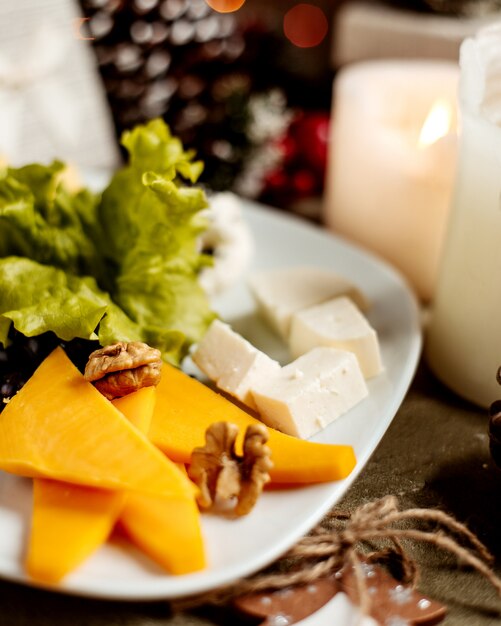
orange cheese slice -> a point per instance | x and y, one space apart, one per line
60 427
185 408
70 522
166 529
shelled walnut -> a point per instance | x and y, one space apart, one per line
221 474
121 368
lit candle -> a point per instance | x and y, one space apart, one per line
464 340
392 160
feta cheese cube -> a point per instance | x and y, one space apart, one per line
339 324
311 392
233 363
280 293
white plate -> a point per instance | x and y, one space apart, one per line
239 547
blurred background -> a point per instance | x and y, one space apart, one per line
248 84
251 89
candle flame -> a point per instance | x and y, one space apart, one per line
437 124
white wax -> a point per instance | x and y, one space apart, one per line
464 337
384 190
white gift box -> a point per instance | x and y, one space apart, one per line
52 103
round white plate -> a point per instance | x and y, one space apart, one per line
240 547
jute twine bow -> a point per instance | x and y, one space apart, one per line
344 540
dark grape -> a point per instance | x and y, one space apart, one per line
11 383
495 429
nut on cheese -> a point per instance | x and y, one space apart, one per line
279 293
337 323
311 392
233 363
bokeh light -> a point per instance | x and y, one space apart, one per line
225 6
305 25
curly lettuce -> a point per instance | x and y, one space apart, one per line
118 266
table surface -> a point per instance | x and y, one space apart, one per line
435 454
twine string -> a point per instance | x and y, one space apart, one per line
341 541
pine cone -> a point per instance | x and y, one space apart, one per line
160 58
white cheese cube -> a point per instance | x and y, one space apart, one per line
233 363
311 392
338 324
280 293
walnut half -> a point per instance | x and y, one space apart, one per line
221 474
121 368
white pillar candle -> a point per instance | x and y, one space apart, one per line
464 338
389 179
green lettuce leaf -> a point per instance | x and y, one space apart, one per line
39 298
122 266
151 224
41 220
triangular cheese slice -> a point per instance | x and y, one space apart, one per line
138 407
70 522
166 529
185 408
60 427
